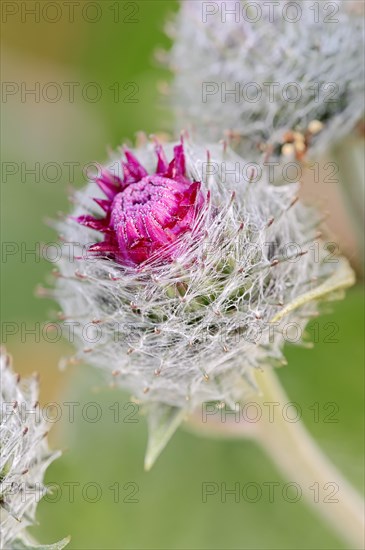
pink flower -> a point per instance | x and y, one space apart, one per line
145 213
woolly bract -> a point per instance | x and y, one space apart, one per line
179 333
263 72
25 456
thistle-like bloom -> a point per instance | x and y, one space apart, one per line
280 78
24 459
145 214
180 329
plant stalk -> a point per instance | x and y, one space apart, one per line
298 458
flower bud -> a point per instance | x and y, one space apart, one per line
145 214
269 76
185 317
25 456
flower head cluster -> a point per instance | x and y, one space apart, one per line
25 456
275 78
183 328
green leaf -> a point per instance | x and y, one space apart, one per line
343 277
163 421
20 544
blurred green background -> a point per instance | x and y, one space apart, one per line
116 52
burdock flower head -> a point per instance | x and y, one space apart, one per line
24 459
145 214
272 76
181 274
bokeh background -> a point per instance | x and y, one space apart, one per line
113 45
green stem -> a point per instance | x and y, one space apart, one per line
299 459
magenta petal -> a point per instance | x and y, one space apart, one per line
191 194
179 160
155 231
132 233
122 240
176 168
109 184
162 164
93 223
135 168
162 213
141 243
104 247
103 203
141 228
128 177
188 220
140 253
133 253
